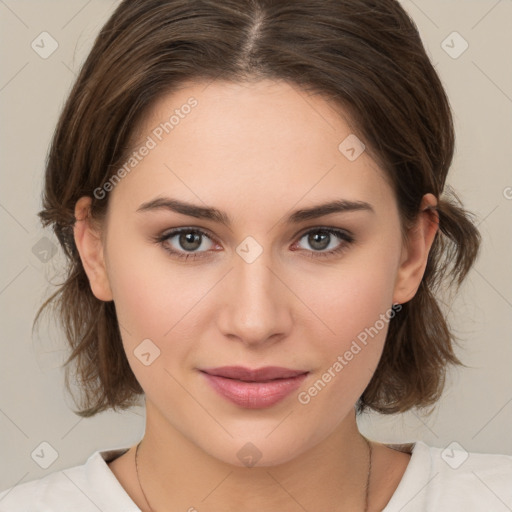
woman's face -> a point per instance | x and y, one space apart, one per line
274 287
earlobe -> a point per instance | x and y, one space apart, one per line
415 253
90 247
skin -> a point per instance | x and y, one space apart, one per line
258 152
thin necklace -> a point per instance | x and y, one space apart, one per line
367 479
138 478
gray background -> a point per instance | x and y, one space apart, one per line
476 408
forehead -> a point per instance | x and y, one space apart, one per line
259 140
270 111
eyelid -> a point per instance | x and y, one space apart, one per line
320 227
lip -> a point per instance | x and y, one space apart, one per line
254 388
254 375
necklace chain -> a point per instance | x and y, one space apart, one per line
138 478
367 479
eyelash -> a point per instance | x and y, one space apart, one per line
341 234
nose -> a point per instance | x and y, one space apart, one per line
255 304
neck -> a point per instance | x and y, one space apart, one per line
333 475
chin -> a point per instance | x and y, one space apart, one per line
258 452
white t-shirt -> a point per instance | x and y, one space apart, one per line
436 480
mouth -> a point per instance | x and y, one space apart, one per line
254 389
265 374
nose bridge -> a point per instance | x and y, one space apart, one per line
254 280
255 307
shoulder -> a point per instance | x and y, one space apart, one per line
43 493
83 488
483 478
454 479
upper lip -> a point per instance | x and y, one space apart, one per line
256 374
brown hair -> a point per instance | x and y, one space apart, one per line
363 55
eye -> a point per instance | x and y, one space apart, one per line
320 239
188 241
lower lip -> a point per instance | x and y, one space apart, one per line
254 395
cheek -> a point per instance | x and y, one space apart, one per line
351 297
158 301
150 295
354 304
151 308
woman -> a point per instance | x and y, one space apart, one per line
252 199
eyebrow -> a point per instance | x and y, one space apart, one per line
213 214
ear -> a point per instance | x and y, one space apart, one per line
90 247
415 252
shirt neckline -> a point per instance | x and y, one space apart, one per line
102 477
